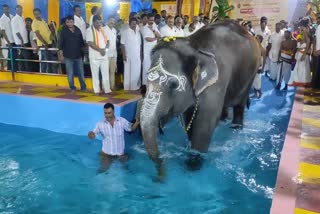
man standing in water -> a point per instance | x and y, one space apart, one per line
112 130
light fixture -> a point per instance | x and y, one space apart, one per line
111 2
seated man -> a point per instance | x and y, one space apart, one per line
112 129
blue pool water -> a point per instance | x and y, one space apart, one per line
48 172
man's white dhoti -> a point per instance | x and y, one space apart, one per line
275 40
132 71
131 39
274 67
284 68
257 82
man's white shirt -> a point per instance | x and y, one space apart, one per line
167 31
5 23
111 35
81 24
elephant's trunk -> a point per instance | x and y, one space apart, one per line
149 133
150 118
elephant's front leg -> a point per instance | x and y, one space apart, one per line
238 115
202 128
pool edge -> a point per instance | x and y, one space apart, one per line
284 197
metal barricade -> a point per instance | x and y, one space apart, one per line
40 61
8 59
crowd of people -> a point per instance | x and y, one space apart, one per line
108 48
290 54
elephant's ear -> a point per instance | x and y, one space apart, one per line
206 72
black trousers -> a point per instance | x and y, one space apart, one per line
315 83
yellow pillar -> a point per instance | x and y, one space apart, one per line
53 11
28 6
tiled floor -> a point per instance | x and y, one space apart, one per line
298 182
308 190
117 97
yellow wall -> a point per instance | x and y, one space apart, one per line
89 5
28 6
186 6
45 79
125 8
157 5
53 11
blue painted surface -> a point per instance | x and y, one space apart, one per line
12 4
43 6
47 172
66 8
56 115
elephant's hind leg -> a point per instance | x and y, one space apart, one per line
238 115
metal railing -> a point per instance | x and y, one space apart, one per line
12 60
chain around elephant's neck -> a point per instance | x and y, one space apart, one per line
193 115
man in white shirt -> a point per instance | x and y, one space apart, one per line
20 36
274 46
6 31
131 52
112 129
201 20
264 31
168 29
178 31
79 21
196 22
94 11
189 30
111 34
150 36
98 44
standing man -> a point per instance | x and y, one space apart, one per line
163 14
132 54
70 51
98 45
111 34
150 36
32 43
316 73
44 39
178 31
286 57
5 23
112 129
94 11
20 35
273 50
264 31
201 20
185 21
79 21
168 29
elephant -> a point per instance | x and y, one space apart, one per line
197 77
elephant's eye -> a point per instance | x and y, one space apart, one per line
173 84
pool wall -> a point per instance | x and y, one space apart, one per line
55 114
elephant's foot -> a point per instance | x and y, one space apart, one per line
161 173
236 126
194 162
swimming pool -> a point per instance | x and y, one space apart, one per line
47 172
